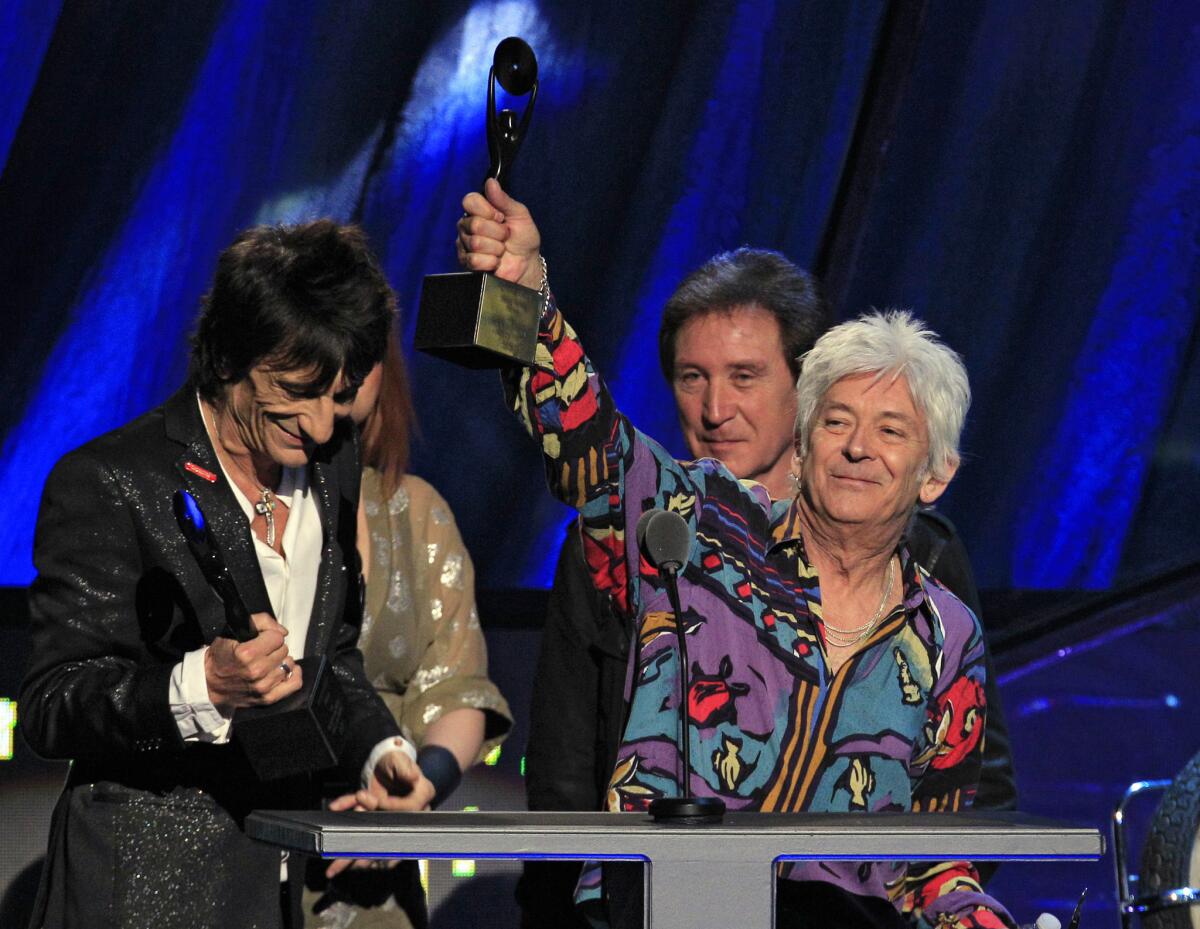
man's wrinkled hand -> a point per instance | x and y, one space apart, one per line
497 234
254 673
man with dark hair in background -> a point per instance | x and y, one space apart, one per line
729 344
134 676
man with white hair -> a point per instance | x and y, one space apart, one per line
729 343
828 671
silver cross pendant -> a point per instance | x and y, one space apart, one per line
266 508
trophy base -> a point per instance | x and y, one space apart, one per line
302 733
477 320
687 811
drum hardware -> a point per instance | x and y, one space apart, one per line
1129 902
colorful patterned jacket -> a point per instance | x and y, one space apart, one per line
898 727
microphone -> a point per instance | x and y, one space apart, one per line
664 539
194 527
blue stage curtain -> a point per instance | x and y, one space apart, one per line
1037 205
25 30
155 132
1039 208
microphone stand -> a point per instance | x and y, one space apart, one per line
685 736
659 533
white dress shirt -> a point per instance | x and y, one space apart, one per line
291 582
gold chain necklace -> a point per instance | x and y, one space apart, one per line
264 506
845 638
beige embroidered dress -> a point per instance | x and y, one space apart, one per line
421 641
425 654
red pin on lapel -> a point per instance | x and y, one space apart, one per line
200 472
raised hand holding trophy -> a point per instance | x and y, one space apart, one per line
474 319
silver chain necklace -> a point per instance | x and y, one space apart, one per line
845 638
264 506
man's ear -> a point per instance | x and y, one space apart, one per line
933 487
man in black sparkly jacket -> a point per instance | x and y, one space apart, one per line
134 675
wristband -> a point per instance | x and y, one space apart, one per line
441 768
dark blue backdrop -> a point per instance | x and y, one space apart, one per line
1037 203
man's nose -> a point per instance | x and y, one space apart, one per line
718 406
318 418
858 444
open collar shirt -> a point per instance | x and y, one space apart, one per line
291 582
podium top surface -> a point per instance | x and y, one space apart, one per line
635 836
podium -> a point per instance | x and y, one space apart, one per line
713 875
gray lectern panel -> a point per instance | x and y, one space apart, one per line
741 836
713 875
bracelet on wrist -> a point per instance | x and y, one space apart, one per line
441 768
544 288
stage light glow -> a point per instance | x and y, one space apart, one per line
444 104
8 725
462 867
540 571
25 31
492 758
335 197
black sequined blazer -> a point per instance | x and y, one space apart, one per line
147 832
